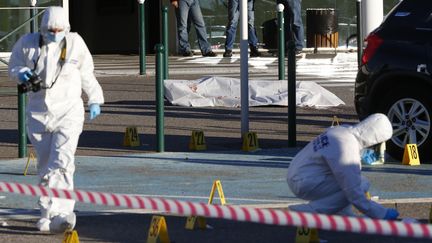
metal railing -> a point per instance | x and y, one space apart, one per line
22 135
31 19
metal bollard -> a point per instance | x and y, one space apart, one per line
142 50
359 33
22 137
159 48
281 26
292 138
22 99
165 39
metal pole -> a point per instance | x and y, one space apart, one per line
292 139
33 24
22 100
165 39
22 137
281 26
159 48
372 12
359 33
244 84
142 50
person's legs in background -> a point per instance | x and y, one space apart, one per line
200 28
297 24
231 29
182 14
293 19
252 37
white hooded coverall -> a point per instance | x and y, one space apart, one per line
327 172
55 115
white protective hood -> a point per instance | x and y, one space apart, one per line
54 18
373 130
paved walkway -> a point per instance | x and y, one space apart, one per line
248 178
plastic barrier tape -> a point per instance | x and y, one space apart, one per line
237 213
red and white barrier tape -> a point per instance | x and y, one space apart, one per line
257 215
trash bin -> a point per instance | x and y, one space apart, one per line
270 34
321 27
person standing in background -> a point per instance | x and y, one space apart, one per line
184 10
293 21
231 29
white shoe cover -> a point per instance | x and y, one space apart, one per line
43 224
62 223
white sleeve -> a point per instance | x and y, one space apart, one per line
89 83
18 60
343 158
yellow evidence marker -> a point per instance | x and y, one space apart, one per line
306 235
250 141
131 137
411 155
197 141
193 222
217 185
71 237
158 231
335 121
30 157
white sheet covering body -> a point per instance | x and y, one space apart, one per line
225 91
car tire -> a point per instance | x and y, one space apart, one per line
409 110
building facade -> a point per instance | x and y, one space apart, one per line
111 26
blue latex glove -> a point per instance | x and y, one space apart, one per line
25 75
94 111
391 214
369 156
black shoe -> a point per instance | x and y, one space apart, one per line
228 53
188 54
254 52
209 54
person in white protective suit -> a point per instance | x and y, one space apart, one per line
55 113
327 172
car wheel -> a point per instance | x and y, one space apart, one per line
410 114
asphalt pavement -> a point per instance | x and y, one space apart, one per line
248 178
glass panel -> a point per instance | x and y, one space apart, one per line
215 17
11 18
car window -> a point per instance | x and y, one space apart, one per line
411 14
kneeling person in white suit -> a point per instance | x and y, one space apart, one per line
55 111
327 172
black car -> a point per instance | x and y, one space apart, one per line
395 76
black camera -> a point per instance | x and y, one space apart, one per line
33 84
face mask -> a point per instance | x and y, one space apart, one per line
55 37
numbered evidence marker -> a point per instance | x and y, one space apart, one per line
411 155
131 137
193 222
335 121
30 157
306 235
250 141
197 141
158 231
71 237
